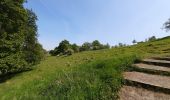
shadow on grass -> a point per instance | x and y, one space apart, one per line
4 78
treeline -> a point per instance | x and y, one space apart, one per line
65 48
19 47
150 39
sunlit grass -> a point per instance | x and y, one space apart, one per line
82 74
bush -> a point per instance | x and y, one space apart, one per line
69 52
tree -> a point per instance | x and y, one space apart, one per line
69 52
96 45
86 46
153 38
12 18
134 41
75 47
120 44
32 49
63 49
19 48
52 52
166 25
107 46
63 46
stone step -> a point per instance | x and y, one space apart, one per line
148 80
138 93
152 68
156 62
161 58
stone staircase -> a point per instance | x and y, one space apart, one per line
149 80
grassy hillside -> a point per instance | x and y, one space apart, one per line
86 75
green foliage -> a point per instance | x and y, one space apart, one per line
65 46
32 49
107 46
35 55
120 44
86 46
134 41
52 52
96 45
69 52
153 38
75 47
12 19
166 25
17 33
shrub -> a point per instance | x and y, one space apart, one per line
69 52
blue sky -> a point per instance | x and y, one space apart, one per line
109 21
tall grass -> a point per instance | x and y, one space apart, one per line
98 80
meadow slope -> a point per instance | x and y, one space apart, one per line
86 75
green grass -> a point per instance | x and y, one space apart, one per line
86 75
100 79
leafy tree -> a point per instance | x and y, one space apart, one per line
69 52
68 49
17 33
166 25
33 50
107 46
96 45
75 47
12 18
86 46
153 38
38 54
63 46
120 44
63 49
134 41
52 52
